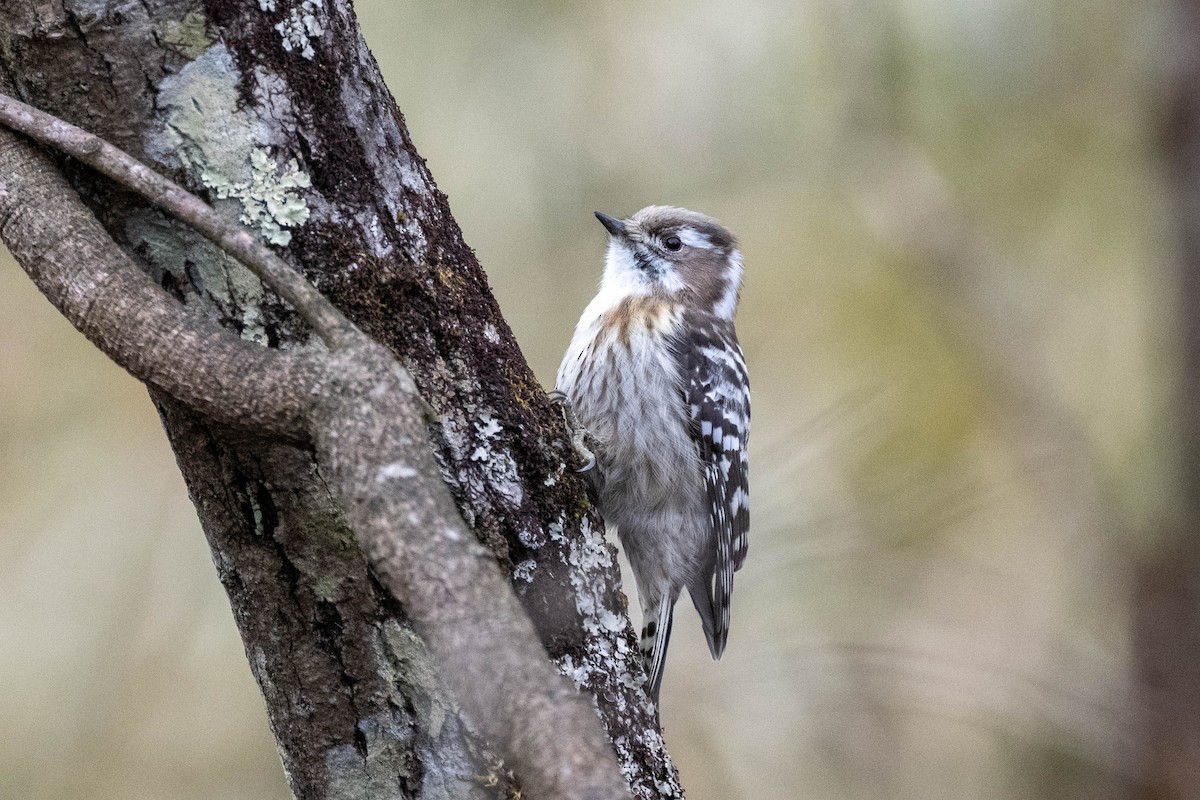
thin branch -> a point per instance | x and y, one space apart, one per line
329 323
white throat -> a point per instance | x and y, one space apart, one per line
624 277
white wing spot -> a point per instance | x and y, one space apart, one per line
739 499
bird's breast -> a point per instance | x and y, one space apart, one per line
624 381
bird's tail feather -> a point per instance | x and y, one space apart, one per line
655 635
711 600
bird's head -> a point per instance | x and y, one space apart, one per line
673 252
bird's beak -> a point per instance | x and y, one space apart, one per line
614 225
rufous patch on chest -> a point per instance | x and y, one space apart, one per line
633 314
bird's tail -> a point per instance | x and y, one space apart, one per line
656 633
711 600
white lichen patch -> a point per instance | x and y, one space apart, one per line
411 175
613 624
504 478
491 334
531 538
588 555
301 26
205 128
269 198
215 277
188 36
498 473
266 5
487 426
578 673
208 132
254 328
524 571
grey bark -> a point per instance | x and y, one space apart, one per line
223 97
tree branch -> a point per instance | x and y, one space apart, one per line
360 409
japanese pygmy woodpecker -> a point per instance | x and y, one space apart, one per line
655 375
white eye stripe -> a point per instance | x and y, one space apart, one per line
694 238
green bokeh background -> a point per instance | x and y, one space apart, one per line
960 324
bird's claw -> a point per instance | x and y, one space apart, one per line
580 448
575 432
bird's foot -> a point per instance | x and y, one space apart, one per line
575 432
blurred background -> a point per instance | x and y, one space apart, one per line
960 320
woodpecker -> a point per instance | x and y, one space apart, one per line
655 375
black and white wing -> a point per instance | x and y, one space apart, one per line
717 392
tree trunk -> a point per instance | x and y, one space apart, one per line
276 111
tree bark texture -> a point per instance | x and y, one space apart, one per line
275 110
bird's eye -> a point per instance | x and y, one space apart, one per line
673 243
